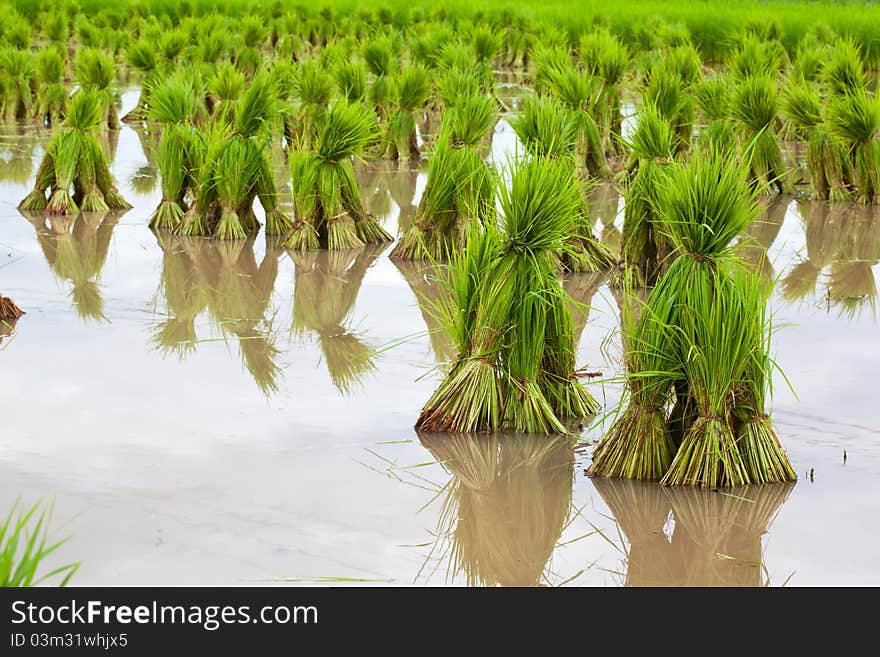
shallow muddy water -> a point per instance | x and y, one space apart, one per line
210 413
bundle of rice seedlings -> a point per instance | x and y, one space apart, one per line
411 90
506 507
141 55
802 278
713 97
507 316
173 104
379 57
224 88
606 58
486 43
756 57
854 119
314 89
326 286
763 457
328 207
351 79
706 206
667 91
548 129
460 187
844 72
17 65
755 108
643 247
233 169
827 160
51 94
579 91
95 72
546 63
74 166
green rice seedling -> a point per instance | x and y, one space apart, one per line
95 72
171 46
756 57
25 546
643 247
506 314
248 61
763 457
253 31
827 160
548 129
17 31
810 58
667 92
713 98
411 91
351 79
460 187
212 46
755 109
579 92
546 63
854 119
314 89
328 206
685 62
173 104
844 72
225 87
486 43
18 68
141 55
605 57
56 27
74 166
51 94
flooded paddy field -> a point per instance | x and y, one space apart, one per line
231 413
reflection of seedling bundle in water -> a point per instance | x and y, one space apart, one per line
752 246
76 249
95 72
9 312
506 314
854 119
74 166
410 91
824 227
851 285
827 159
51 94
755 109
506 506
548 129
329 210
644 249
224 279
460 188
326 288
18 67
232 169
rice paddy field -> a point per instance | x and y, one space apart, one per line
376 294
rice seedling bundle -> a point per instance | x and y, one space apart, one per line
605 57
460 188
702 338
713 97
410 92
142 56
313 90
844 73
17 65
95 72
644 248
351 79
854 119
328 206
506 314
755 109
74 167
548 129
668 92
224 87
756 57
827 160
51 94
231 169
